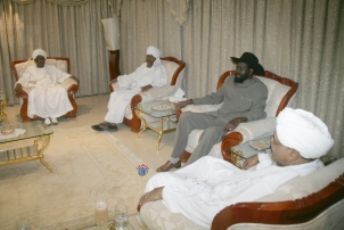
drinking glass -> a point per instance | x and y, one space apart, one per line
101 212
121 216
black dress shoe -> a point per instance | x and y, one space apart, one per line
99 127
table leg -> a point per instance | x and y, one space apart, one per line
161 133
41 144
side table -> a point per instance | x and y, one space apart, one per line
157 115
239 153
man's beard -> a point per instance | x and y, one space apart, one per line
240 79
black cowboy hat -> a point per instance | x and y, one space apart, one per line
252 61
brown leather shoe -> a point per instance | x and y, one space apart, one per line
168 166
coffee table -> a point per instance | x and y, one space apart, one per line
157 115
26 147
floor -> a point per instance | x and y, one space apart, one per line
91 110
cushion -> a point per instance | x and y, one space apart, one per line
276 91
21 67
155 215
306 185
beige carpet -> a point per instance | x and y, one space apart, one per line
87 165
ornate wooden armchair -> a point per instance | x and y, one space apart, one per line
280 92
18 68
174 68
314 201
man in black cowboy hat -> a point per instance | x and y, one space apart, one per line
243 99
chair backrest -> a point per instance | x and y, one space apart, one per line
280 90
20 66
174 68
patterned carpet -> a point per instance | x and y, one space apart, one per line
87 166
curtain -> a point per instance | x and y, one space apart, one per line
298 39
73 31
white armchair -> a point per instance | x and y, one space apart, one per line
280 92
175 72
71 85
314 201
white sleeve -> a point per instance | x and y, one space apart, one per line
264 160
24 80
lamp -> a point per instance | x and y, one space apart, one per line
112 40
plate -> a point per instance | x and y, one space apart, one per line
162 107
260 144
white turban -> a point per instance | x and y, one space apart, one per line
304 132
155 52
39 52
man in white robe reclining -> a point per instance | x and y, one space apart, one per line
150 74
47 98
202 189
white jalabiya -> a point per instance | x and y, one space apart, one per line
129 85
47 98
202 189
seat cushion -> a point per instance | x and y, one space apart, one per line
276 92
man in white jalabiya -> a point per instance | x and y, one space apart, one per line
47 98
202 189
150 74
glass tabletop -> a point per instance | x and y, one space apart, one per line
157 108
13 131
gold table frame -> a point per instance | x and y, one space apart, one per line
163 118
38 141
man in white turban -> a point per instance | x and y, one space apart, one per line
202 189
47 98
150 74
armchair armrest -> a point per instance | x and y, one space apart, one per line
21 92
256 129
246 132
201 108
158 92
70 84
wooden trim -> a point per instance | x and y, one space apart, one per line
285 212
135 122
231 139
176 73
285 81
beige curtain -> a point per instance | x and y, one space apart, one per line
68 30
299 39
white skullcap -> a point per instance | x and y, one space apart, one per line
39 52
155 52
304 132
